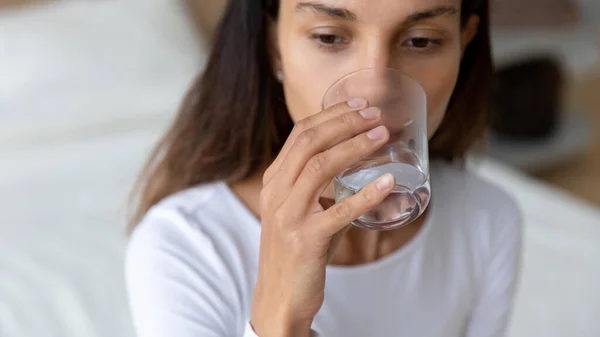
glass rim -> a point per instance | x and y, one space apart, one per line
364 70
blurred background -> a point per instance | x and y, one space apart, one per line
87 87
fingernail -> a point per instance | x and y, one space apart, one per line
385 182
357 103
370 113
377 134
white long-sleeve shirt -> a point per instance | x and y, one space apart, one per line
192 265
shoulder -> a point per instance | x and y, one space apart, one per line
209 213
186 203
173 228
204 224
205 210
184 257
172 222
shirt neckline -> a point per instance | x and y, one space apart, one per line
393 257
399 253
247 213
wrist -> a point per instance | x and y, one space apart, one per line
280 327
278 317
298 329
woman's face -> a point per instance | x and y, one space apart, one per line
320 41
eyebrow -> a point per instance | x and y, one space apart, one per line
334 12
345 14
431 13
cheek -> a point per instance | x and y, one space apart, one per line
438 100
309 73
438 81
306 81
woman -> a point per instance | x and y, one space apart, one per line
237 234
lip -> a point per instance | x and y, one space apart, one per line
395 135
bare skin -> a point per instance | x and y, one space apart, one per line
356 246
315 43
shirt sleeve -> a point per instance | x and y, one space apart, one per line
249 332
491 313
177 284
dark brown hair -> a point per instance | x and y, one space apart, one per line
234 120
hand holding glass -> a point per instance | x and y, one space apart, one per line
403 107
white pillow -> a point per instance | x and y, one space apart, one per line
73 67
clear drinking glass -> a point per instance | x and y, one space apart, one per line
403 105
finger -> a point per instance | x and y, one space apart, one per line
308 123
351 208
306 153
323 167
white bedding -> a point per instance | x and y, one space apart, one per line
62 195
560 287
72 67
86 88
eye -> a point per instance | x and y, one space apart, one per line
328 41
422 43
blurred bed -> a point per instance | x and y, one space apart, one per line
86 88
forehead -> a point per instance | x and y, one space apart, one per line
366 10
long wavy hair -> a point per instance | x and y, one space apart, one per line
234 121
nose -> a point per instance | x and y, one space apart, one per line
376 57
376 54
